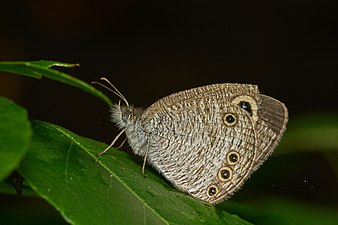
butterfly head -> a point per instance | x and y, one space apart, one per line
123 115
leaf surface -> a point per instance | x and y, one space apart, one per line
15 133
312 132
39 69
62 167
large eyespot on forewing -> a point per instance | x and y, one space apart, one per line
248 104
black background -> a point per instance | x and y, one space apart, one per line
150 49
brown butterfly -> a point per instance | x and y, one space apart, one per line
206 141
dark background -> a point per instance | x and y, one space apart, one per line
150 49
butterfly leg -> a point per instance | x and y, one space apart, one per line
124 141
145 160
111 145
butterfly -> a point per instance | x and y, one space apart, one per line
205 141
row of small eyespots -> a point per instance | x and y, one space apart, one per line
225 173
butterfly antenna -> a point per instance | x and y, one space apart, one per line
113 89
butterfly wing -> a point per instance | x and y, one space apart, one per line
270 127
203 142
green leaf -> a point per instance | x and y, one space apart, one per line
302 213
283 211
313 132
62 167
39 69
261 216
15 135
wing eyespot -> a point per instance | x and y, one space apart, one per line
225 174
233 157
212 190
229 119
245 106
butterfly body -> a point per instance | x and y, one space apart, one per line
208 140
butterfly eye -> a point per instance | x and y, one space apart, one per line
233 157
212 190
126 113
246 106
225 174
230 119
